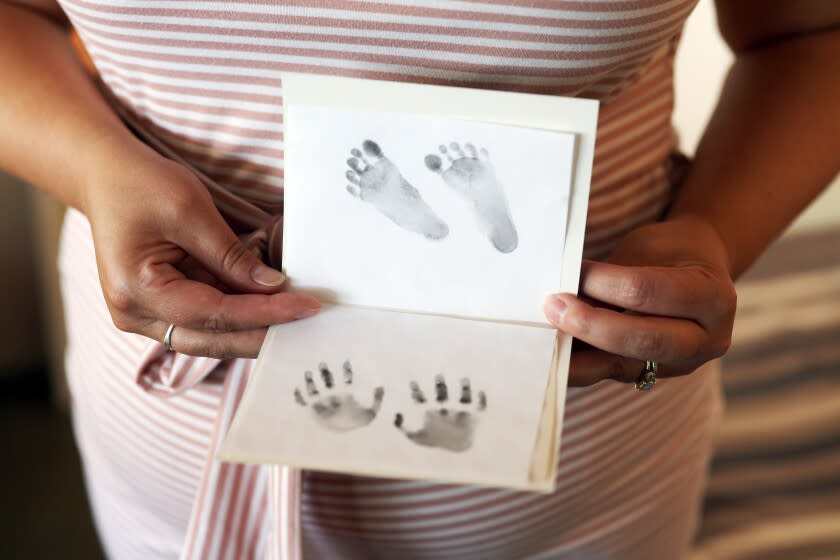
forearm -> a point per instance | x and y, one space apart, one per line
55 127
772 145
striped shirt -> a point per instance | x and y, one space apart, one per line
201 82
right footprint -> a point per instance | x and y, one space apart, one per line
445 428
472 176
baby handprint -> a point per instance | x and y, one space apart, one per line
337 408
443 427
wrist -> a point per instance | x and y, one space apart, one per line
705 230
113 155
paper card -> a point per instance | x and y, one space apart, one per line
426 213
566 115
396 401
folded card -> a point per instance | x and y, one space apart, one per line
433 221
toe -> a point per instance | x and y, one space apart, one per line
371 148
439 230
434 163
505 239
355 165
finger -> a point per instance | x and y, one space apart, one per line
223 346
466 391
591 366
210 241
194 270
643 337
686 292
417 393
441 392
172 298
326 375
311 390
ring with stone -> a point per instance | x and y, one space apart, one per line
647 379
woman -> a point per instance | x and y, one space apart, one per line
144 248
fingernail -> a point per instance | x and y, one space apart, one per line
555 308
267 276
303 314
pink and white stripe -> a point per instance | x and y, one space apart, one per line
200 80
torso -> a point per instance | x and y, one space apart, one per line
207 78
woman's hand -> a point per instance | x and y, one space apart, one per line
664 295
165 255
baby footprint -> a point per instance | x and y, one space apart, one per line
474 178
373 178
446 428
340 412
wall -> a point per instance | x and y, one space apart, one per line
702 62
21 347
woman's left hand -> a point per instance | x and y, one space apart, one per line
665 294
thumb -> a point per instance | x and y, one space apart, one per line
217 248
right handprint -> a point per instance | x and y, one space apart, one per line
445 428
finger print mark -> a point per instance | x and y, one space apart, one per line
338 411
348 372
466 391
441 392
326 375
482 400
417 393
311 390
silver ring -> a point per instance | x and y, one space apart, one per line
647 379
167 338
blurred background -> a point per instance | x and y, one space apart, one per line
775 486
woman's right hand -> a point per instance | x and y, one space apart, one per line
166 256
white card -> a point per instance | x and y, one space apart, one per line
343 245
425 213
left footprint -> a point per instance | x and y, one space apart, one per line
374 178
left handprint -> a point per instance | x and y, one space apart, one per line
338 411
